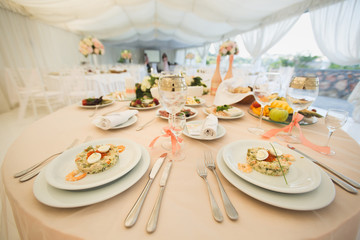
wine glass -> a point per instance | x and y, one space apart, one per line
266 89
173 93
335 118
300 94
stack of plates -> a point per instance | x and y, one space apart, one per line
308 187
52 189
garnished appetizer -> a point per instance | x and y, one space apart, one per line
192 100
94 101
144 102
267 161
95 160
224 111
187 112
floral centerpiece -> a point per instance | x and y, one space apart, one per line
192 81
228 48
189 56
91 45
125 56
143 89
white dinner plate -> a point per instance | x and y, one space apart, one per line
227 118
187 118
319 198
219 133
94 106
65 163
129 122
202 101
303 175
55 197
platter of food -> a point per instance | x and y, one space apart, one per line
188 111
144 104
194 101
225 112
93 164
272 166
55 197
280 112
316 199
95 102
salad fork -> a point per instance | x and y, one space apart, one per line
229 208
201 170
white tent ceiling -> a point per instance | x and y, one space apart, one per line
159 23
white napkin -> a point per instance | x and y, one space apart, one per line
109 121
209 127
224 96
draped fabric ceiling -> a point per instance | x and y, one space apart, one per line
160 23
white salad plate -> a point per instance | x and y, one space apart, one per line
220 132
55 197
94 106
316 199
202 101
187 118
225 117
303 176
61 166
129 122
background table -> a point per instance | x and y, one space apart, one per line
185 211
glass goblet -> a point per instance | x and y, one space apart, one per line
266 89
335 118
300 94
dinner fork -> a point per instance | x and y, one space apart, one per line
229 208
201 170
23 172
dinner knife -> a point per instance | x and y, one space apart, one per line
340 175
134 212
154 216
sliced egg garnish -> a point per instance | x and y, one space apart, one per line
278 152
104 148
93 158
261 155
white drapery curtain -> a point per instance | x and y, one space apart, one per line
337 31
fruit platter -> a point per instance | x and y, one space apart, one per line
279 111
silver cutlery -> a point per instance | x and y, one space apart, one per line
145 124
23 172
201 170
135 210
104 114
340 175
229 208
154 216
35 172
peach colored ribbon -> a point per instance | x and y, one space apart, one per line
174 142
304 141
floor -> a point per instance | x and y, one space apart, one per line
11 128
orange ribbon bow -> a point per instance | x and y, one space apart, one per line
174 141
288 128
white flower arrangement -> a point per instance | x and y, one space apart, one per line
91 45
228 48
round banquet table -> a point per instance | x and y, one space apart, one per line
185 211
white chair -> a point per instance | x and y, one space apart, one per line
31 89
76 86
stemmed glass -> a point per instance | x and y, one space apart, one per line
300 94
335 118
172 92
266 89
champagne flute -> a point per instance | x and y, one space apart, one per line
335 118
300 94
266 89
173 93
